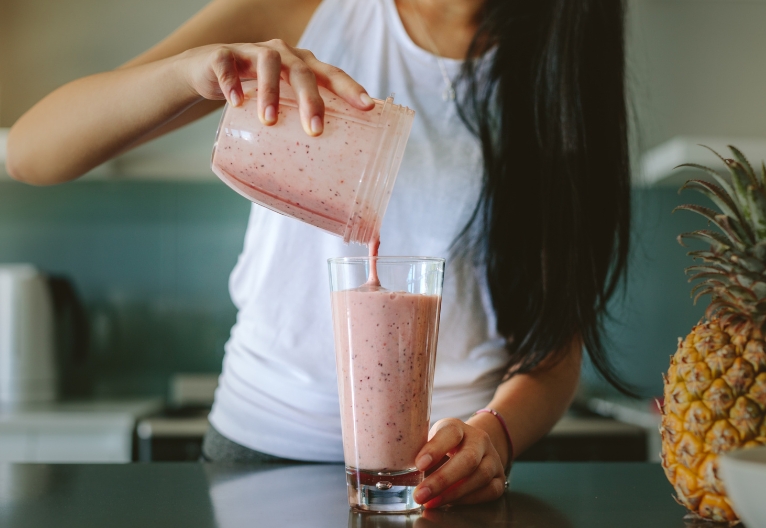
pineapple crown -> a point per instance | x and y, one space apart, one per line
733 272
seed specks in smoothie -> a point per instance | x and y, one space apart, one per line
394 415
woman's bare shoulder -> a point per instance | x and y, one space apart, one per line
269 19
230 21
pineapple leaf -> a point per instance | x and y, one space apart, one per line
713 278
740 179
749 263
699 286
738 185
716 218
759 250
757 204
702 293
716 175
717 195
719 306
745 164
759 289
734 229
718 242
713 151
743 304
746 281
741 293
735 320
703 267
719 287
708 255
699 209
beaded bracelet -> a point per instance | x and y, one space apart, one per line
505 430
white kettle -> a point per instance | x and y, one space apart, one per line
27 336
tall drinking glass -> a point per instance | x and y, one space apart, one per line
385 347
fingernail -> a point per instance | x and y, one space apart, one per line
366 99
270 114
316 125
424 462
422 495
234 96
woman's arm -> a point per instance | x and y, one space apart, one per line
530 403
189 74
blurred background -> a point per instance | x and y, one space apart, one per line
148 240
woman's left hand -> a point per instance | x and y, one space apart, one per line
474 472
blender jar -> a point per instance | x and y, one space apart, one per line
340 181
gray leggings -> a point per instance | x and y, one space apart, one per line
218 448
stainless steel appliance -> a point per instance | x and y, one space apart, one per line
41 321
27 336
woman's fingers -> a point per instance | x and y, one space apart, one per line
303 81
460 466
337 81
466 448
310 103
227 73
489 469
473 473
493 490
268 70
268 63
446 435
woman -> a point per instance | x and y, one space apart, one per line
522 179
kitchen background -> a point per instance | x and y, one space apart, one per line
150 239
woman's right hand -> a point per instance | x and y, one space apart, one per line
216 71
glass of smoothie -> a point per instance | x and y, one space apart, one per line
340 181
385 347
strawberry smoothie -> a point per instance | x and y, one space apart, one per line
385 344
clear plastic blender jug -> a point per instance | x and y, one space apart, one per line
340 181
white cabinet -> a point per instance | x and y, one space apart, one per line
162 160
14 446
659 164
87 432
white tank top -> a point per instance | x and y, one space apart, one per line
278 391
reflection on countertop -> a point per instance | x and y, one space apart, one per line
194 495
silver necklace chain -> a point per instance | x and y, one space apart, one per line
449 89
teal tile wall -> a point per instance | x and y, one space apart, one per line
655 307
152 262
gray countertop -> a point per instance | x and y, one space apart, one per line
191 495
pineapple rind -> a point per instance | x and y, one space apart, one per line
710 410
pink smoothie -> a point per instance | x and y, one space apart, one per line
312 179
384 344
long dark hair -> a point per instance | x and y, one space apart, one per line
552 226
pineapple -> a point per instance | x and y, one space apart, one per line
715 388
